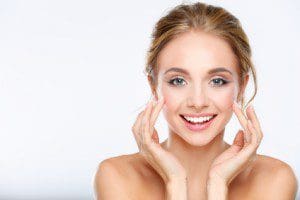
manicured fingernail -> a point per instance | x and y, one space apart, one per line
251 107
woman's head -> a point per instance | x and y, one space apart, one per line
199 60
203 18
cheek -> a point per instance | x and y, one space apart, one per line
224 98
172 97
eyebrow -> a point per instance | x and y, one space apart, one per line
211 71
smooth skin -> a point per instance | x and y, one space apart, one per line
189 165
277 183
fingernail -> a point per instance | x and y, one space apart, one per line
251 107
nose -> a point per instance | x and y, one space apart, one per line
197 98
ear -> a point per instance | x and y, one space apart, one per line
242 88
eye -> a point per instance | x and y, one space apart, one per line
219 82
177 81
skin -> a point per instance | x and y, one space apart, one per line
197 159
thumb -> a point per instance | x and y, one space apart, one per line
239 139
236 146
155 136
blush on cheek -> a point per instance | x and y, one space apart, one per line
224 99
172 101
169 100
229 98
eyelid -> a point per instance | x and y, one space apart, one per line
177 76
221 77
214 77
170 81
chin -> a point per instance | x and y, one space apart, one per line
199 139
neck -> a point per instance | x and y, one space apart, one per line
195 159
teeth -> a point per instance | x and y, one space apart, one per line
198 119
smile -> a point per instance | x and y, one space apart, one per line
198 123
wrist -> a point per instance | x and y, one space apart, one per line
216 181
176 188
217 189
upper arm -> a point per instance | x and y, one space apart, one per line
108 183
281 183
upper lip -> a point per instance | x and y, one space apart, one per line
199 115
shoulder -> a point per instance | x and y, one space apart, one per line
272 179
117 176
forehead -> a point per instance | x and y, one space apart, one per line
197 52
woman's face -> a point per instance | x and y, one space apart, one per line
197 73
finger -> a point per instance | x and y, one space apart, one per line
136 128
239 139
243 121
241 117
155 136
236 146
137 122
255 139
247 152
253 117
145 124
155 113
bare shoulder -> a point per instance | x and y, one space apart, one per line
272 178
111 176
122 175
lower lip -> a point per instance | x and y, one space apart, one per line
198 127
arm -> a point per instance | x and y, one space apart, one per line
237 157
216 190
176 189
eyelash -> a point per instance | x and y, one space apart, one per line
171 82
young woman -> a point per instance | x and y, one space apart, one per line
198 67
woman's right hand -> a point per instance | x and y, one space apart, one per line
165 163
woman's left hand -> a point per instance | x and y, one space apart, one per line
242 152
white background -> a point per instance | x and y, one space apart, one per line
72 83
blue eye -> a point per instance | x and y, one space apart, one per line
219 82
176 81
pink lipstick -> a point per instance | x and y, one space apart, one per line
198 126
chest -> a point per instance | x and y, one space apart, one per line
157 191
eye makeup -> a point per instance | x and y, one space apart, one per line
179 81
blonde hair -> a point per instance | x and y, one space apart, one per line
207 18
